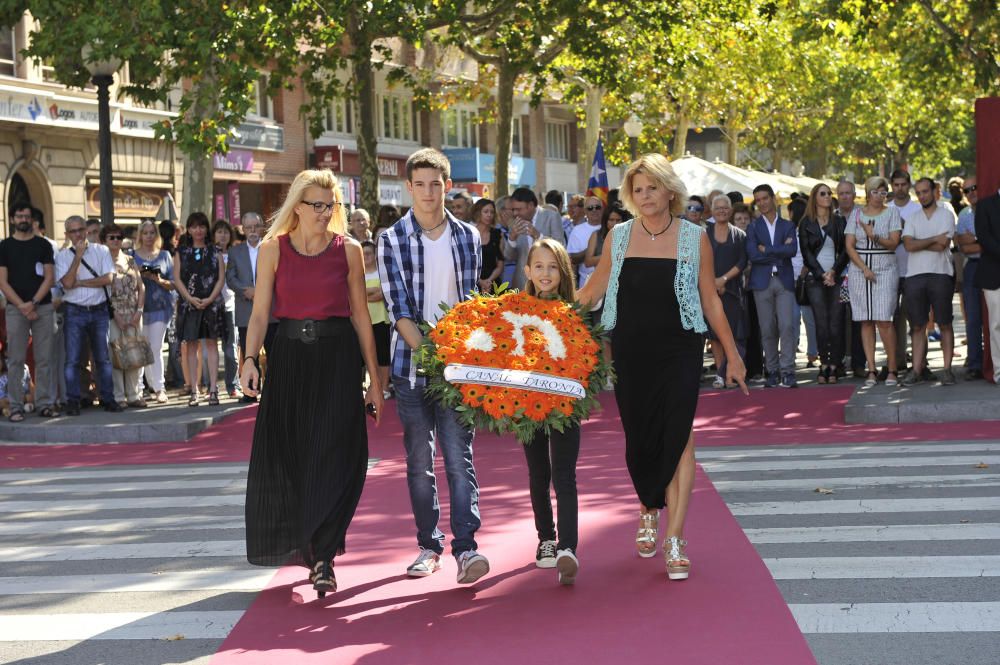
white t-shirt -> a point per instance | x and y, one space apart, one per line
920 227
911 208
439 275
578 240
97 257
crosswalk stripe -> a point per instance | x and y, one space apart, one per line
123 551
865 449
970 460
47 491
221 579
849 481
129 503
883 567
118 626
167 523
47 476
897 617
842 506
875 534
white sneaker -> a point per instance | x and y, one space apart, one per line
161 397
545 555
425 565
471 566
719 382
568 565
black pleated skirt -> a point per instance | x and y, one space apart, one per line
310 451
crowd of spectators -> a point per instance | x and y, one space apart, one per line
848 272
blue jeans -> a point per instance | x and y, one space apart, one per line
973 314
84 323
426 426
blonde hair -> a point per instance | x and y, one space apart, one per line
158 243
874 183
658 168
567 285
286 219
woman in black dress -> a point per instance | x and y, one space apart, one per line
484 216
660 283
200 275
729 254
310 444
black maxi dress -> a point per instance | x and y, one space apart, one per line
658 363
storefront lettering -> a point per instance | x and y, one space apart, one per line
259 137
12 109
128 201
235 160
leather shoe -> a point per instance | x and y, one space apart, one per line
112 407
973 374
247 399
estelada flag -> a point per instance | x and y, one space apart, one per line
597 185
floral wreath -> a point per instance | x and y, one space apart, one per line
514 363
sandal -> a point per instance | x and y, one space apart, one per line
213 399
821 377
831 375
194 400
891 379
323 579
47 412
645 538
678 565
872 379
16 416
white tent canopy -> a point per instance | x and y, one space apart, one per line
701 177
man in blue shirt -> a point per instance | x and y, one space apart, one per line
427 258
965 236
771 244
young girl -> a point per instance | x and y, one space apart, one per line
550 275
378 314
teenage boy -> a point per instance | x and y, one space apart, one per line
426 258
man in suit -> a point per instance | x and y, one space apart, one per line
529 224
241 277
987 224
771 244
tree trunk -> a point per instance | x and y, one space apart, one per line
197 187
592 131
681 134
364 85
506 79
732 139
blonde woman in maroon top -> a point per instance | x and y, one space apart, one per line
310 444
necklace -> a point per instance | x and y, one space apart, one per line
652 236
433 228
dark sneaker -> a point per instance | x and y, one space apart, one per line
788 381
545 555
772 380
973 374
927 374
112 407
911 379
947 377
568 565
471 566
427 562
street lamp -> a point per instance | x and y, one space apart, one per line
633 128
102 72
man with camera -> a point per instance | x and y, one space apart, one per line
84 269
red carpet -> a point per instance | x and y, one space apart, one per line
623 608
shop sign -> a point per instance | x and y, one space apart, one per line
391 166
464 163
240 161
520 171
390 194
128 201
220 206
259 137
19 107
135 121
329 157
233 190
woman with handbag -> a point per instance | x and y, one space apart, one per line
127 296
157 270
824 253
199 275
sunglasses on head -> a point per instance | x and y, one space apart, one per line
969 189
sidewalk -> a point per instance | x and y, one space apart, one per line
173 421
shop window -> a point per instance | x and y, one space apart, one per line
8 51
399 121
557 141
339 118
459 128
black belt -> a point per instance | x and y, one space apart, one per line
91 308
309 330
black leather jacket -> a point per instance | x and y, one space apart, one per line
811 239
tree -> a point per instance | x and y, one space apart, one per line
212 51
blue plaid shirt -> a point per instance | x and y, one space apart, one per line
401 269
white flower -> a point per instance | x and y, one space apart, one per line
479 340
553 340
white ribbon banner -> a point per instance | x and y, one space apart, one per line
514 378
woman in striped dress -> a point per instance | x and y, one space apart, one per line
872 235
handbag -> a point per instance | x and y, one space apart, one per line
130 351
845 293
801 296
